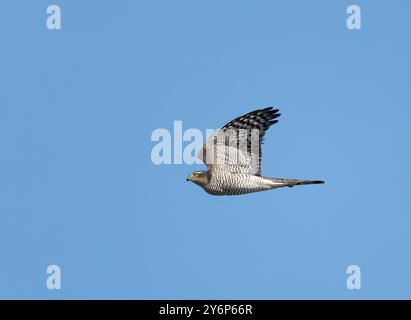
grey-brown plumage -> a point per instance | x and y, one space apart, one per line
233 157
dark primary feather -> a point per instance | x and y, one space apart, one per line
260 119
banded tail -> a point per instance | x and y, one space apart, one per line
292 182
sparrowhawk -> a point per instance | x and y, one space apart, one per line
233 157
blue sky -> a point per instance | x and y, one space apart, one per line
78 188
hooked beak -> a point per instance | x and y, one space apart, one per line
188 178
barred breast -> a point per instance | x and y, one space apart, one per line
226 183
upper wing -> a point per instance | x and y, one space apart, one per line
236 147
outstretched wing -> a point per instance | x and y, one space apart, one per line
236 147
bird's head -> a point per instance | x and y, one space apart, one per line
198 177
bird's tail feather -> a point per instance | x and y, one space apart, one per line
293 182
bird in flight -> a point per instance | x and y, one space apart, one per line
233 157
